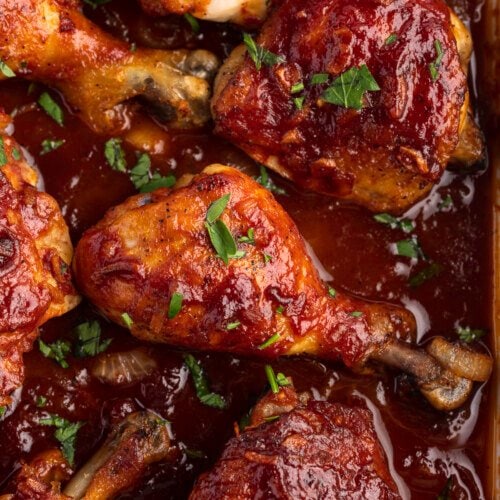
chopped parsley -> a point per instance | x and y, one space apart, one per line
446 202
144 180
260 55
391 39
297 87
425 274
356 314
275 381
269 342
468 334
203 392
16 154
249 238
57 351
279 310
332 292
175 305
221 238
299 102
233 325
89 340
409 248
127 320
319 78
266 181
193 22
41 401
267 258
406 225
3 409
66 434
49 145
51 108
348 89
434 65
3 155
115 155
5 70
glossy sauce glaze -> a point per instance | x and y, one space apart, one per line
424 445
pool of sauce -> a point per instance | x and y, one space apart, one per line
425 447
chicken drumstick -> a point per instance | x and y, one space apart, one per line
217 264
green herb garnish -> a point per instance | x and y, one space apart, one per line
332 292
268 183
348 89
89 340
434 65
297 87
249 238
66 434
127 320
275 381
49 145
267 258
405 225
5 70
3 155
216 208
269 342
51 108
446 202
426 274
299 102
3 410
233 325
115 155
193 22
356 314
260 55
201 385
409 248
469 335
175 305
57 351
279 310
41 401
391 39
319 78
16 154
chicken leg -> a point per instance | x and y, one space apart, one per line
362 100
52 42
35 257
155 259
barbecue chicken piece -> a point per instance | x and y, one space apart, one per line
191 272
312 450
364 100
35 258
244 12
52 42
140 440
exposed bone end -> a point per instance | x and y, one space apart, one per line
138 441
448 392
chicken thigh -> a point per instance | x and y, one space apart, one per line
217 264
363 100
52 42
301 450
244 12
35 258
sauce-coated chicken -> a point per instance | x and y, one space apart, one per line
159 259
35 258
314 450
52 42
245 12
403 63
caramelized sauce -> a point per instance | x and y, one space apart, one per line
424 446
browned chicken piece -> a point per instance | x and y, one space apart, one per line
244 12
35 258
133 445
189 271
310 450
41 478
363 100
52 42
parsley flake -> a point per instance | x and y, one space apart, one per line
203 392
260 55
5 70
406 225
319 78
16 154
127 320
432 270
249 238
115 155
297 87
266 181
51 108
409 248
89 340
468 334
356 314
434 65
233 325
348 89
3 155
391 39
175 305
275 381
41 401
49 145
57 351
269 342
193 22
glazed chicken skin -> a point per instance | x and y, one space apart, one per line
35 262
52 42
414 115
267 301
244 12
301 450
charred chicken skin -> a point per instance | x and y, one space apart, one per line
52 42
35 260
158 259
244 12
364 100
308 450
